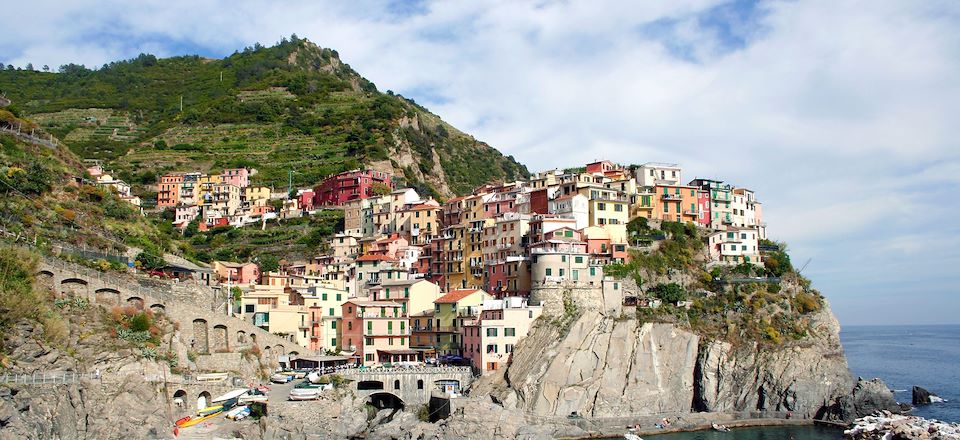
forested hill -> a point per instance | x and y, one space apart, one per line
291 107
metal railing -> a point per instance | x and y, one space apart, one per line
47 378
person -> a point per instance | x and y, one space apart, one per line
96 373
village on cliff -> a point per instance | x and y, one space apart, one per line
412 280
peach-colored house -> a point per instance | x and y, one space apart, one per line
237 273
377 332
489 340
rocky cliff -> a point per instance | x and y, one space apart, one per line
613 366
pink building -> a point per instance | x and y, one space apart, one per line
237 273
392 246
306 198
349 185
703 206
236 176
377 332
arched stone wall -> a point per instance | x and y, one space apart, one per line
158 308
135 301
241 337
219 342
201 343
106 295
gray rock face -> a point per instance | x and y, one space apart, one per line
606 367
923 397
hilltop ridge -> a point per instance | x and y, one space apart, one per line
293 110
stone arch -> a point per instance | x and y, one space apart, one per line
281 350
74 285
294 353
253 338
219 341
135 301
106 295
158 308
201 344
267 352
396 384
383 400
242 337
179 398
203 400
46 277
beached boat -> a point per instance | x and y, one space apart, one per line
238 413
210 410
631 436
200 419
306 393
231 395
182 420
281 378
720 428
212 376
251 399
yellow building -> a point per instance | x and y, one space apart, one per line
271 308
414 295
325 314
257 195
449 314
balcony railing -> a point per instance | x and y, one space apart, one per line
669 196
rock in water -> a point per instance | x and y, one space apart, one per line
923 397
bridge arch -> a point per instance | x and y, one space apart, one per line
386 400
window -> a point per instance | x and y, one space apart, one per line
616 286
509 331
338 297
333 325
390 328
561 271
743 236
578 259
368 357
249 308
349 325
568 234
549 272
331 311
333 342
601 206
508 348
491 348
730 235
403 327
369 327
576 274
563 258
593 271
419 384
389 341
492 332
323 297
368 341
618 208
406 292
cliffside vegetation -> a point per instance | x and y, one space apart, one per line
21 299
290 107
746 303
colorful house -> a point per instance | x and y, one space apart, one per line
489 340
349 185
377 332
449 314
237 273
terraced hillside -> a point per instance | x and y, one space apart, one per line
291 107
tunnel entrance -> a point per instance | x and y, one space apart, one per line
386 400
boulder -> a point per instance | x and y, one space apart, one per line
923 397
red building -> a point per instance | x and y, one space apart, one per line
349 185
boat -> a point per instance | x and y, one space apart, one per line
720 428
251 399
182 420
238 413
281 378
209 410
631 436
200 419
211 376
231 395
305 393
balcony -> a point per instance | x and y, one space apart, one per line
387 333
691 213
672 197
503 246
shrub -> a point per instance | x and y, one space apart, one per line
806 303
670 293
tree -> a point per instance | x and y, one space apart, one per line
670 293
268 263
380 189
149 261
236 293
46 68
29 66
638 226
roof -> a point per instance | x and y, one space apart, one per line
375 257
407 282
369 302
422 314
455 295
422 207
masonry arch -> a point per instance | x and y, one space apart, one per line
46 277
203 400
241 337
267 352
106 295
201 344
294 353
386 400
419 384
219 340
158 308
74 285
135 301
396 385
179 398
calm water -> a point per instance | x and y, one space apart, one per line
904 356
771 433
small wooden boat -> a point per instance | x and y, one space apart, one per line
252 399
720 428
631 436
238 412
199 419
182 420
211 376
209 410
231 395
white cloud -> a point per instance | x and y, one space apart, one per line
840 114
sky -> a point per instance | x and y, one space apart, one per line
841 115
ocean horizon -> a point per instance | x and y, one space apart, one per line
906 355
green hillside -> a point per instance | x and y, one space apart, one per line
291 107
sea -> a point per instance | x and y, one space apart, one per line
903 356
